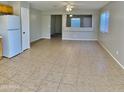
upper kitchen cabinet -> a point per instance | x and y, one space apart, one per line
6 9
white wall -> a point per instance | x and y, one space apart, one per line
114 39
45 26
69 33
35 24
39 25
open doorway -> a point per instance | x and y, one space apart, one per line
56 26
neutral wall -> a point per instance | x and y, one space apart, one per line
71 34
114 39
35 24
46 22
4 2
39 25
45 26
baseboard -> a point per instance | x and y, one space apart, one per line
79 39
111 55
46 37
36 40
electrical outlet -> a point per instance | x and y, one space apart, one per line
117 53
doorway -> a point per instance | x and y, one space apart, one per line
56 26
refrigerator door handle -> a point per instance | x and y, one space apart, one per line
12 29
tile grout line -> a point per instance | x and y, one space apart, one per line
62 76
46 75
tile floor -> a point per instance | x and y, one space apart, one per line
56 65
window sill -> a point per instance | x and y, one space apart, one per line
75 29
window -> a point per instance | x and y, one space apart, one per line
79 21
75 22
87 21
104 21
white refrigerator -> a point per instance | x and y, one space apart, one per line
11 35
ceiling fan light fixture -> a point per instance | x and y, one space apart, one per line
69 8
70 15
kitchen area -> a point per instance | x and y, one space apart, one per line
14 28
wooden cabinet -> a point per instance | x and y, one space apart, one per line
1 48
6 9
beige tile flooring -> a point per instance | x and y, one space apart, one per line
56 65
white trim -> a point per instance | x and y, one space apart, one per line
36 39
46 37
79 39
111 55
40 38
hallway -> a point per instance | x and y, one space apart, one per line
56 65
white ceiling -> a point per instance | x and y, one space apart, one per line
60 5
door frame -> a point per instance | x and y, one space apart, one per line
28 32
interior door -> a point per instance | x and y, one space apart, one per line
25 28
